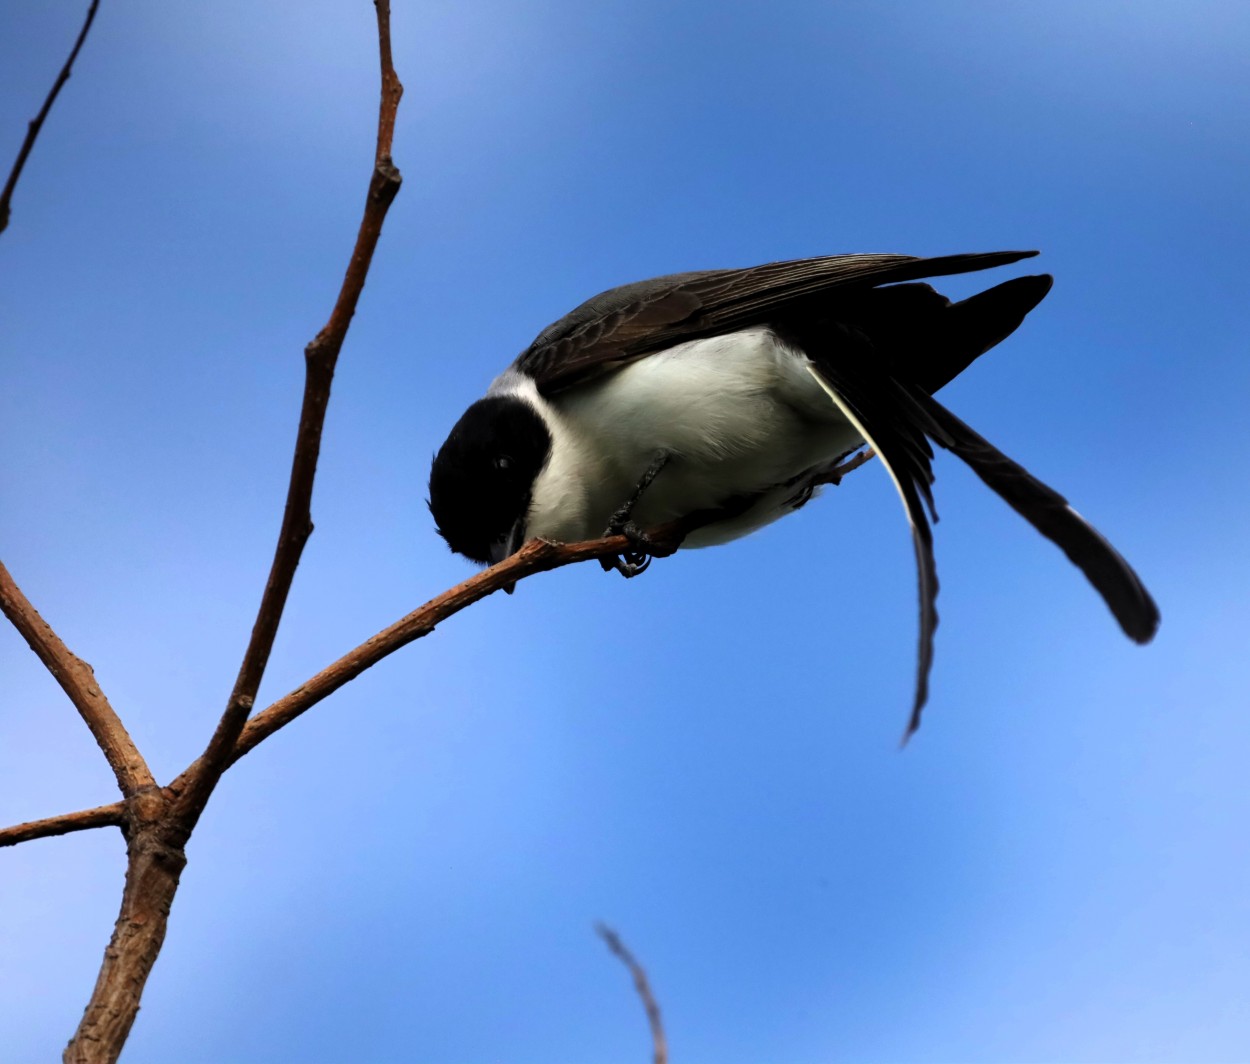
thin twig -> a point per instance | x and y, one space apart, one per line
319 361
77 680
537 556
658 1044
32 130
102 816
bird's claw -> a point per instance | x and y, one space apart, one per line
635 560
643 547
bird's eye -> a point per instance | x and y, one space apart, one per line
503 463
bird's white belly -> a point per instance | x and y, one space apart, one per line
739 415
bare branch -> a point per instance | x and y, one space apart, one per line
32 131
319 361
658 1044
77 680
536 556
102 816
159 821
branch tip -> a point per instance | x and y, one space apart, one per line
659 1045
35 124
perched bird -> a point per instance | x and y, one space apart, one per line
724 399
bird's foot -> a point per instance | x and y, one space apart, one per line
643 546
642 549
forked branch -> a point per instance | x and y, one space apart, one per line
535 557
157 821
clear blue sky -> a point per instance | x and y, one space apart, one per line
1056 869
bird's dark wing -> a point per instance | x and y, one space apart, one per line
626 323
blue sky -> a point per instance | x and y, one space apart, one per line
1057 867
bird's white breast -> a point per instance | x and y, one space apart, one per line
739 415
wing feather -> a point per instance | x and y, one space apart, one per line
626 323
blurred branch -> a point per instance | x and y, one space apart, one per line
320 358
77 680
102 816
32 130
658 1044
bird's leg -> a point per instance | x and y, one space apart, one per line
643 547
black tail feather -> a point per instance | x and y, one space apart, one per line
1049 512
971 327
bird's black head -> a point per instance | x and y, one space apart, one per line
482 477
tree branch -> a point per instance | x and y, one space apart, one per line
32 130
659 1046
77 680
319 361
154 863
158 822
536 556
102 816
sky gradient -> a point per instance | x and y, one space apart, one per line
1057 868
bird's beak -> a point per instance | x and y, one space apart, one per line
507 546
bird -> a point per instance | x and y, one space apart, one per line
718 401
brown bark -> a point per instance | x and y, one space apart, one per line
77 680
320 358
154 863
102 816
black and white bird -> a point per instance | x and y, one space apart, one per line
724 399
